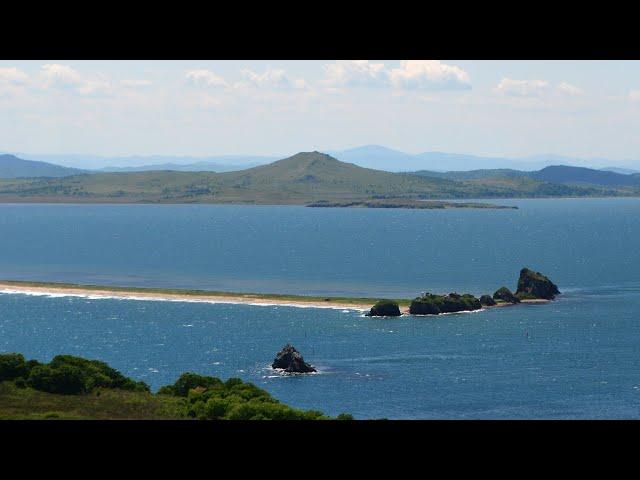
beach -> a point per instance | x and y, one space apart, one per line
178 295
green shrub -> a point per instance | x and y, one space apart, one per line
345 416
64 379
98 374
12 366
189 381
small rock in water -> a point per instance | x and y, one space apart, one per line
290 360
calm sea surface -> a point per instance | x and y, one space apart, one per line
578 357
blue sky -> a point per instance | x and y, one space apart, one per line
206 108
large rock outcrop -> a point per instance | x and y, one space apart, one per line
535 285
505 295
384 308
430 304
290 360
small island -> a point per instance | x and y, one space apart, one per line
405 203
289 360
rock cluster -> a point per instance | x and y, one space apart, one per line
290 360
531 286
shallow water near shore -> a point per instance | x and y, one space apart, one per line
576 357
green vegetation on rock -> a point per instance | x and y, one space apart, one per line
384 308
487 300
430 304
505 295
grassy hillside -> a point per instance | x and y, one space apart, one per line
110 404
579 175
301 179
548 182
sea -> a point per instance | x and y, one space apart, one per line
574 358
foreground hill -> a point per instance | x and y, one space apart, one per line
72 387
14 167
304 178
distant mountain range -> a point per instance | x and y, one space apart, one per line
150 162
178 167
383 158
311 177
14 167
368 156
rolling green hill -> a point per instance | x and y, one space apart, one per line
301 179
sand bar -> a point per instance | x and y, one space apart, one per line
135 293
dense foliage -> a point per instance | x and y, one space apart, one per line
430 304
191 396
210 398
65 374
189 381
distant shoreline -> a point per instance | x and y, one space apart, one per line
204 296
165 294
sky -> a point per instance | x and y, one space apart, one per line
581 109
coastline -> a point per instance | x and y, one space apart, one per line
184 295
361 304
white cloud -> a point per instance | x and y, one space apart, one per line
634 95
568 89
136 83
13 76
536 88
272 78
67 78
350 73
61 76
412 74
522 88
205 78
429 74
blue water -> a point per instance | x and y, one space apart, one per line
577 357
